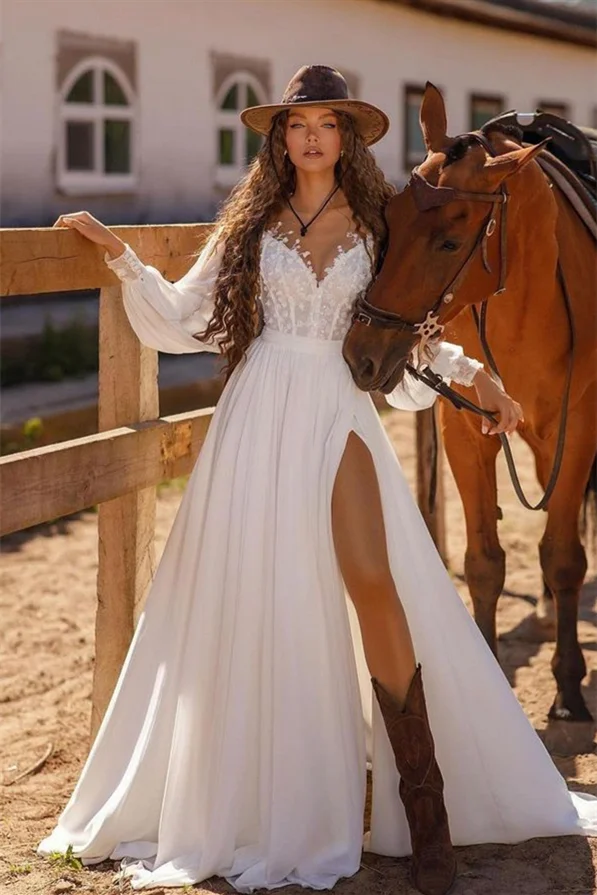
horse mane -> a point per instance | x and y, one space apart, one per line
458 149
509 130
462 144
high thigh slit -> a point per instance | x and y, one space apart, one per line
236 740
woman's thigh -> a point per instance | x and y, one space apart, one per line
358 524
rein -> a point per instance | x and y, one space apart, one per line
427 196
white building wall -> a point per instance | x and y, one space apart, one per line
386 46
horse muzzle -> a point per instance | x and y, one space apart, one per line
376 362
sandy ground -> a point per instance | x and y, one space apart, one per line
47 604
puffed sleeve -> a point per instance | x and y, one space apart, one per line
444 358
166 315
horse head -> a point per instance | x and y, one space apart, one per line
449 232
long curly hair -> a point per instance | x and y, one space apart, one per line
250 208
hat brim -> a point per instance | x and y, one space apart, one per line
371 123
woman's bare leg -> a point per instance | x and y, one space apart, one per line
360 544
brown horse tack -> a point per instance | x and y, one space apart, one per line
481 324
427 196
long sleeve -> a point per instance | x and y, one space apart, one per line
166 315
446 359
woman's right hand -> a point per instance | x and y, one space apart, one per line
92 229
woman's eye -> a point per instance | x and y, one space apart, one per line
448 245
298 124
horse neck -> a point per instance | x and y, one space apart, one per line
532 302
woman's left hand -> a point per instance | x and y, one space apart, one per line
493 398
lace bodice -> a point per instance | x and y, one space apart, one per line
295 300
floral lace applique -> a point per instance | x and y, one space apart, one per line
294 299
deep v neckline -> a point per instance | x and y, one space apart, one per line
303 255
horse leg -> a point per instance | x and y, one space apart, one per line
472 459
564 565
545 612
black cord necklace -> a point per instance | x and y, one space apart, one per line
305 227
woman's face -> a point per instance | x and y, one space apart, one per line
313 138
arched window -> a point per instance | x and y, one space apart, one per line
96 123
237 145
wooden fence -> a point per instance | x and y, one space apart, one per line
135 449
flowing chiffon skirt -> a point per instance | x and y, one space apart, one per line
236 741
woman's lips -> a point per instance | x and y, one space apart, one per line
313 153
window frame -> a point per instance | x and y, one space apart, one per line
409 161
96 181
498 99
547 105
229 119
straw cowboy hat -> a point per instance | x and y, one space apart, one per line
320 85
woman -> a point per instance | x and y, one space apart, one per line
234 743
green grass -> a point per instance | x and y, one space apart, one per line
20 869
177 484
68 859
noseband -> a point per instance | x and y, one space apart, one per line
427 196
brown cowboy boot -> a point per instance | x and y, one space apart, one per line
421 787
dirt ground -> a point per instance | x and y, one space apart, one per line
47 604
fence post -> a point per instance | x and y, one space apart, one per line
128 393
425 458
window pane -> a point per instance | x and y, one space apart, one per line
560 109
113 92
231 99
484 109
117 147
82 89
252 99
226 154
253 145
79 146
414 136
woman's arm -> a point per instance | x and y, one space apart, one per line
164 315
444 358
451 363
167 315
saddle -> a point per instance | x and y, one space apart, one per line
570 161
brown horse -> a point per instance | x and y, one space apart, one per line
444 254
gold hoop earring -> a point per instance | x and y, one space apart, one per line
285 153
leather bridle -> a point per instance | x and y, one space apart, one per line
427 196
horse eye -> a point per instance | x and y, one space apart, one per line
449 246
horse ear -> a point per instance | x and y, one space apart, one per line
510 163
432 118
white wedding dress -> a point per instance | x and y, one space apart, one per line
237 738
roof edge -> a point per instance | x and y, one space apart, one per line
530 17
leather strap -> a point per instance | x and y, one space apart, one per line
435 382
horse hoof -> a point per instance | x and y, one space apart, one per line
569 737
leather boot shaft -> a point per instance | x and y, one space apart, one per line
421 787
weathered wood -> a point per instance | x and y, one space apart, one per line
52 481
435 520
128 393
51 259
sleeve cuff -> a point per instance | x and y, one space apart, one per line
126 266
451 363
